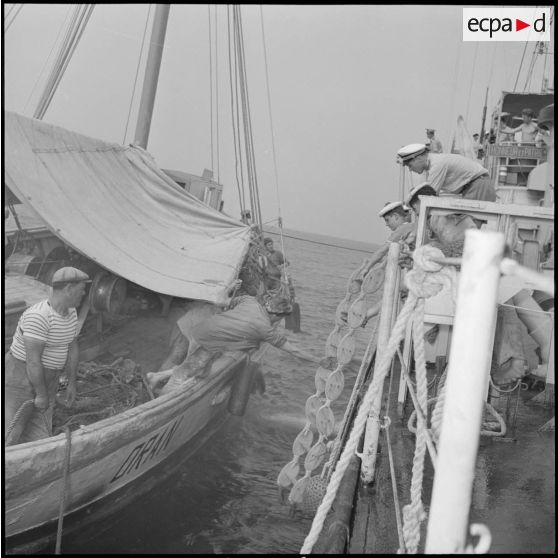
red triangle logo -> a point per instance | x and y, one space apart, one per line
519 25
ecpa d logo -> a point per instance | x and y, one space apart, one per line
506 24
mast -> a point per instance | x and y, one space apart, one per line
483 116
151 74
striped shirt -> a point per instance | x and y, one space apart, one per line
43 323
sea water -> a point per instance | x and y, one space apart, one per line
224 499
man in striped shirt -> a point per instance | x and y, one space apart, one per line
44 345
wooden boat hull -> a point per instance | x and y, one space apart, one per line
109 455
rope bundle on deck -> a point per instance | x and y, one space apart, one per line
103 390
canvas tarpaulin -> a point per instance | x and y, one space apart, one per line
115 206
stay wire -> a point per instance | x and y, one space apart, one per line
471 81
137 74
251 163
238 92
232 64
217 139
8 25
210 85
520 66
68 12
275 167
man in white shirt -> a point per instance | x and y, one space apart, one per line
448 172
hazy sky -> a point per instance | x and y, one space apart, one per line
349 85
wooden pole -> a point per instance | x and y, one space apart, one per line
469 366
372 430
152 74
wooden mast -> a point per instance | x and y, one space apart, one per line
151 74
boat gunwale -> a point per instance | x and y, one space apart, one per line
132 421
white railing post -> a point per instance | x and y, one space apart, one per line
372 431
469 366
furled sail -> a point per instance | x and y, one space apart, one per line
115 206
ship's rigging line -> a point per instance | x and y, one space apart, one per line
8 24
234 115
275 171
247 121
137 73
47 58
214 86
520 66
75 30
210 84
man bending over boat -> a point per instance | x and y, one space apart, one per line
44 345
449 173
243 327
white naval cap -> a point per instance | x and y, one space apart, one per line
410 152
389 207
424 189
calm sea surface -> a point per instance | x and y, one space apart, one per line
224 499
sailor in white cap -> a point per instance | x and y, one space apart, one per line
44 345
396 216
434 145
448 172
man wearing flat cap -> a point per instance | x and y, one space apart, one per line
448 172
43 347
433 144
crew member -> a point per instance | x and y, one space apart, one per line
244 326
43 347
433 144
448 172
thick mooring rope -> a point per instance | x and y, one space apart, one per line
413 513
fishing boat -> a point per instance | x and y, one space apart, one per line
475 460
155 244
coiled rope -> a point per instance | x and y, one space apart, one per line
425 280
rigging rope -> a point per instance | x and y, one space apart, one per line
217 142
48 58
234 115
276 173
75 31
7 25
471 81
210 84
520 66
137 73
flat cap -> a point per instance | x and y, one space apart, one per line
70 275
546 117
424 188
389 207
410 152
